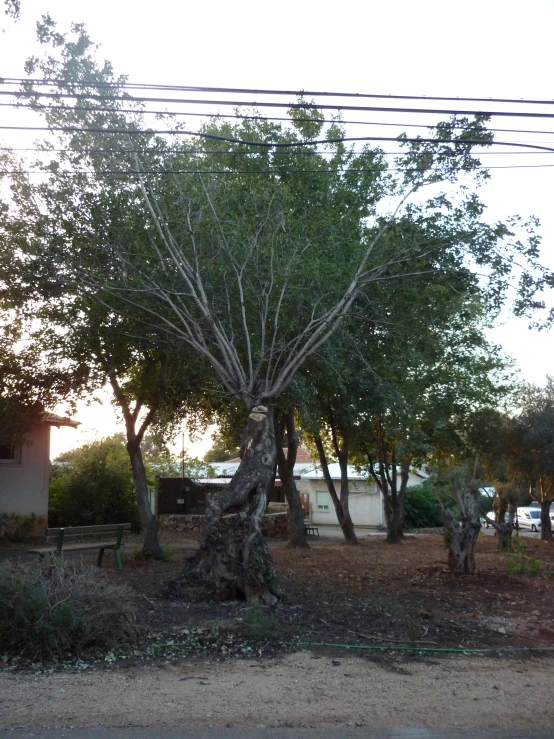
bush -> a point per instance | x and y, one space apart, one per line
422 507
93 485
57 608
521 564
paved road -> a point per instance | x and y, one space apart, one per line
343 732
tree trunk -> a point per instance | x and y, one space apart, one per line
297 532
395 523
347 524
233 561
504 531
151 546
395 509
341 506
546 526
461 539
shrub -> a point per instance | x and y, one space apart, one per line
93 485
422 507
58 607
14 527
521 564
258 624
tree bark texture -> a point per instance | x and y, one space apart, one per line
546 525
341 504
504 531
386 479
233 561
151 545
461 538
285 464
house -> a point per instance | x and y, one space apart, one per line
25 478
366 501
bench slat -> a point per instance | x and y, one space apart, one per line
74 547
88 530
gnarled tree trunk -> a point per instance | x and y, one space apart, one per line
504 530
233 561
285 464
461 538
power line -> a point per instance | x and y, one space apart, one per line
95 150
256 104
255 91
286 119
273 144
276 171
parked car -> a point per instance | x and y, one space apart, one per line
492 516
529 518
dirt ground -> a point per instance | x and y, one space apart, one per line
379 593
303 689
216 664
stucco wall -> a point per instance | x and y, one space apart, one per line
365 501
24 486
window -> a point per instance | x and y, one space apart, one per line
10 454
322 501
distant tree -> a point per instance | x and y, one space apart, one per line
222 449
530 448
92 485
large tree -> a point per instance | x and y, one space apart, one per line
530 448
256 246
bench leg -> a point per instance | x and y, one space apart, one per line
100 557
117 556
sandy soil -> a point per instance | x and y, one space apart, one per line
303 689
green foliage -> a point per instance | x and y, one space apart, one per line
530 442
14 527
258 624
93 485
521 564
60 607
221 450
422 507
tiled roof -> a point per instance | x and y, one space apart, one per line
303 456
52 420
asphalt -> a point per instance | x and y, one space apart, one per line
340 732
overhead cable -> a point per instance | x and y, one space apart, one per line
257 91
271 144
256 104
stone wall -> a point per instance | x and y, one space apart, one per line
274 525
14 527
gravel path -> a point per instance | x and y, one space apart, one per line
302 689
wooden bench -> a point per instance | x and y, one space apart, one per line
57 540
311 530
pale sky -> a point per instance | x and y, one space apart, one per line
485 48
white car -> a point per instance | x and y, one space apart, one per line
529 518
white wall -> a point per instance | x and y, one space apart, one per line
365 501
24 486
366 508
